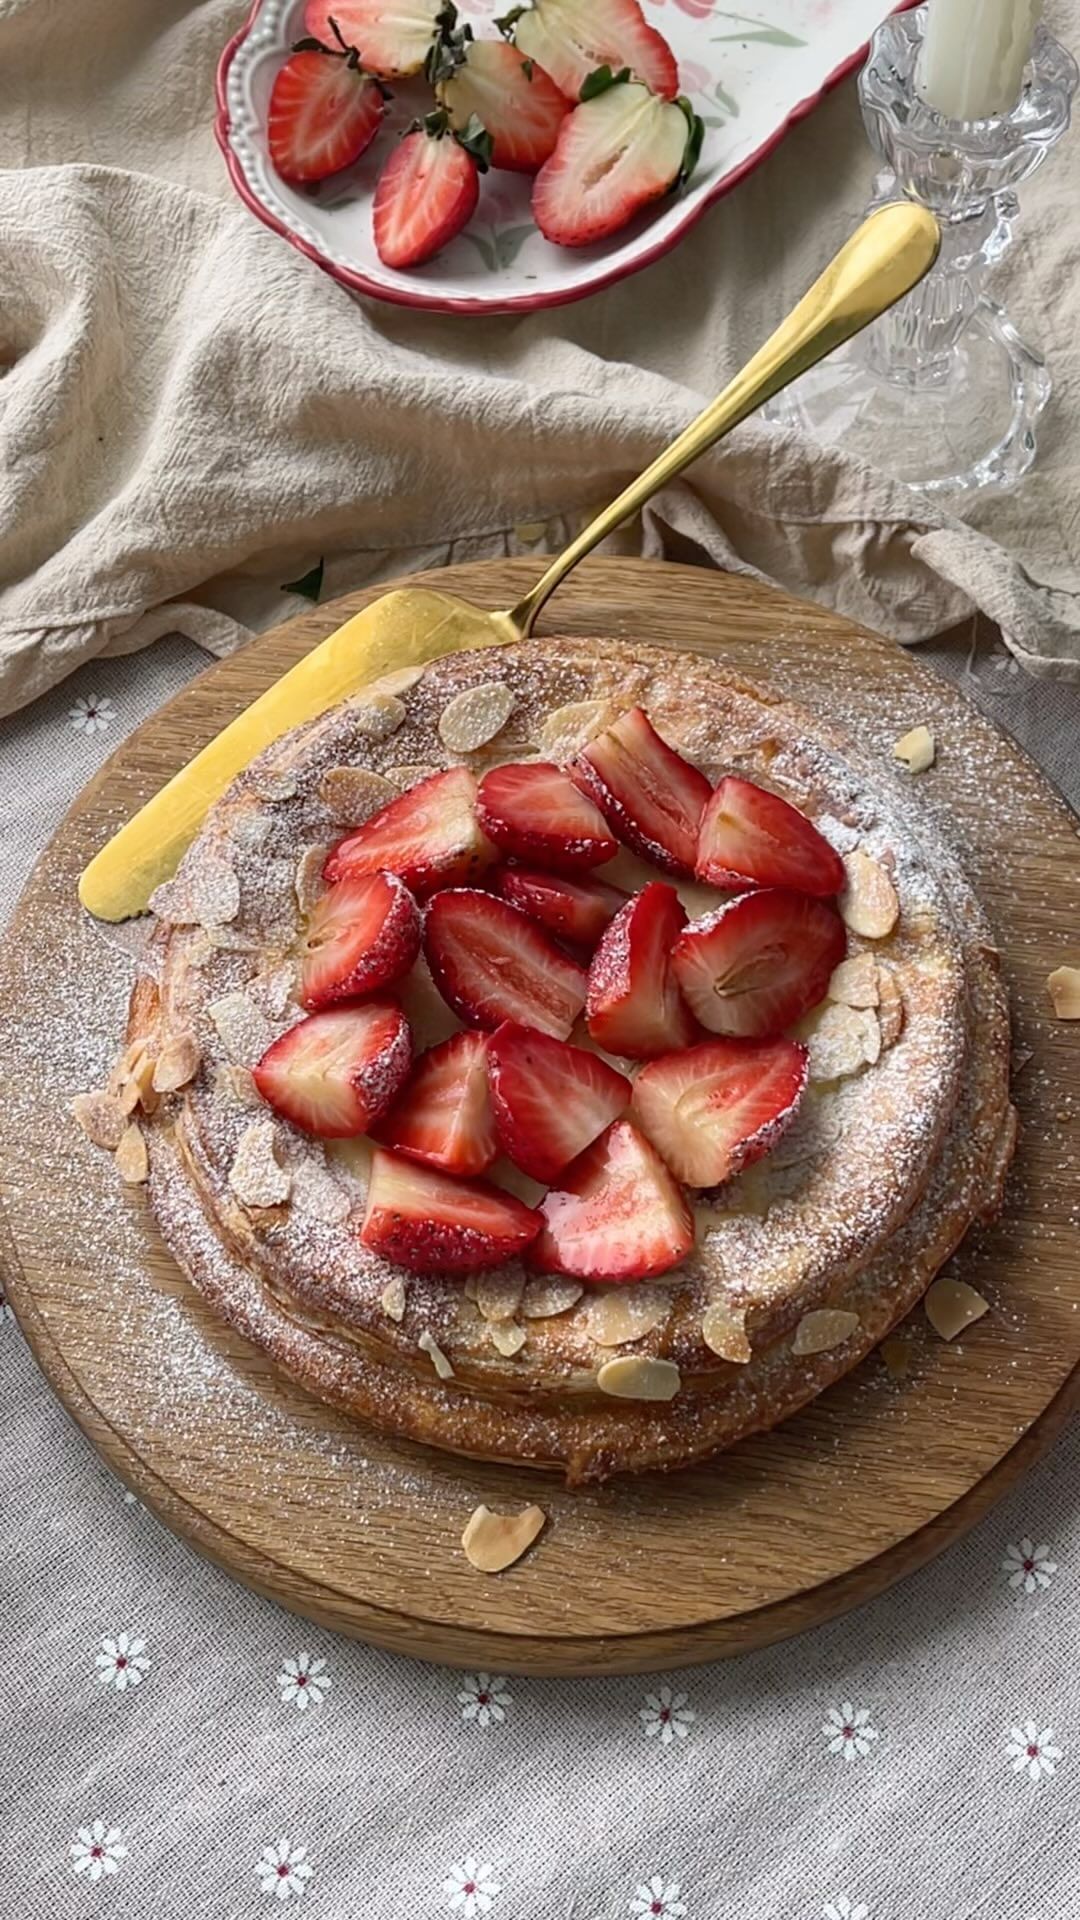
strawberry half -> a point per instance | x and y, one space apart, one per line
617 1214
334 1073
648 794
427 191
393 40
751 838
759 961
324 111
617 151
576 910
550 1101
429 836
572 38
362 934
534 811
633 1005
512 97
492 963
712 1110
431 1223
443 1115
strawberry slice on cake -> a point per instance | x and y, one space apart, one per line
759 961
429 836
648 794
336 1072
444 1116
534 811
550 1100
750 837
363 934
616 1214
712 1110
574 908
492 963
425 1220
633 1006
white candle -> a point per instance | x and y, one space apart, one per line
974 55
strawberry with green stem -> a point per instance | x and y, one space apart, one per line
572 38
428 189
393 36
511 96
325 110
621 148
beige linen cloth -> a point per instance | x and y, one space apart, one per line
191 413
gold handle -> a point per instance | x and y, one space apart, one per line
883 260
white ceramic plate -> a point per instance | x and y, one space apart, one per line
749 75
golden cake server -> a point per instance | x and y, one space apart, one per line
887 255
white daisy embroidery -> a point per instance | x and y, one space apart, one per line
1028 1567
658 1899
92 713
470 1889
283 1870
1033 1752
666 1716
484 1698
122 1662
848 1731
842 1909
97 1850
304 1680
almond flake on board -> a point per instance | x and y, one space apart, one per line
132 1162
498 1298
475 715
868 903
494 1541
890 1007
507 1337
636 1376
951 1305
257 1176
916 750
428 1344
896 1353
101 1118
823 1329
375 716
244 1030
177 1063
723 1330
308 882
1063 986
625 1313
854 983
544 1299
392 1299
353 794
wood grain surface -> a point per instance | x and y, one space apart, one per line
362 1534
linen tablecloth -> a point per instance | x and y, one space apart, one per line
175 1747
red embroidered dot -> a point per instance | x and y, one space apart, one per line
301 1679
483 1698
470 1886
665 1713
96 1853
656 1907
282 1871
121 1661
848 1733
1029 1566
1033 1753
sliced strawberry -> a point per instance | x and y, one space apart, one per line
393 39
550 1100
443 1114
616 1214
648 794
363 934
572 38
512 97
534 811
576 910
751 838
617 151
759 961
335 1072
427 191
429 836
712 1110
633 1004
431 1223
492 963
324 111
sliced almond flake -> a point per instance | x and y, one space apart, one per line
177 1063
236 1085
392 1299
841 1040
868 903
723 1330
895 1351
257 1176
475 715
840 834
101 1118
636 1376
375 716
212 891
1063 986
854 982
916 750
308 882
623 1314
250 829
824 1328
566 729
890 1007
169 904
545 1299
125 1065
429 1345
132 1162
469 1285
272 989
506 1337
316 1192
275 783
499 1296
951 1305
229 940
244 1030
411 774
199 948
494 1541
353 794
398 680
138 1089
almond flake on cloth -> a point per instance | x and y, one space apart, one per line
257 1176
244 1030
494 1541
353 794
916 750
475 715
868 903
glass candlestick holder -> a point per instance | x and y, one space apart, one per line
942 389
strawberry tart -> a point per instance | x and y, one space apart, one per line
566 1054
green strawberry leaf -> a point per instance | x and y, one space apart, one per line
694 138
506 22
599 81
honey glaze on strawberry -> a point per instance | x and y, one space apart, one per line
774 1239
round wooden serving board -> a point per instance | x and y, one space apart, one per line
363 1535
